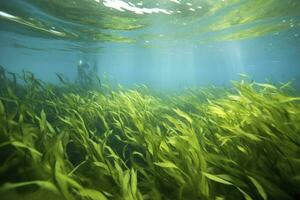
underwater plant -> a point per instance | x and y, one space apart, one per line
64 142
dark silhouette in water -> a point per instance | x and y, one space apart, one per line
4 73
87 76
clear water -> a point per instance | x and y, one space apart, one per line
74 140
169 44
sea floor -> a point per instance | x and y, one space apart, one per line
68 142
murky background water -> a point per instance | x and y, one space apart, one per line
115 139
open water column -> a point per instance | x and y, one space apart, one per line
149 99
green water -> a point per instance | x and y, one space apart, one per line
149 100
152 21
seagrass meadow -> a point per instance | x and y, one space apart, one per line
149 100
66 142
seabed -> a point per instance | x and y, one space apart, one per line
68 142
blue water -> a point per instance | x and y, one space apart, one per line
162 51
